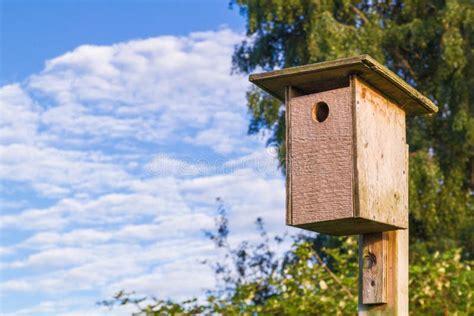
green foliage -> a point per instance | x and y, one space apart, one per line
310 279
441 284
430 44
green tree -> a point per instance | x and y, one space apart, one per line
430 44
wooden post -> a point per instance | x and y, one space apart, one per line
373 302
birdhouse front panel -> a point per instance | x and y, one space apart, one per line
320 157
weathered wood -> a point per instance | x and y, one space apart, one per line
321 158
347 174
397 278
290 93
396 290
346 226
381 166
315 77
400 277
373 262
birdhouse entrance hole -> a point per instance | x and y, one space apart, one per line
320 112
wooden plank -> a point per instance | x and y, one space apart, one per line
400 277
397 261
355 174
290 93
308 77
397 278
346 226
287 154
321 158
381 166
374 268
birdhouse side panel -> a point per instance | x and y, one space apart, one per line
381 157
320 155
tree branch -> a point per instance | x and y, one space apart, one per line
333 275
360 14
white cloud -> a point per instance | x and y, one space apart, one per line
112 158
60 257
54 171
19 115
163 165
217 135
127 89
113 208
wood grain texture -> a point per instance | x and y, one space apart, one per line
397 278
290 93
374 268
321 158
289 218
400 277
382 166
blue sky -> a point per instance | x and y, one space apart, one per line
120 124
34 31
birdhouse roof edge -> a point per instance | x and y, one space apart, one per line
301 77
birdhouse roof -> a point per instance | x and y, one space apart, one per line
330 74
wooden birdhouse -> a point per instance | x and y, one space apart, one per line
347 156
